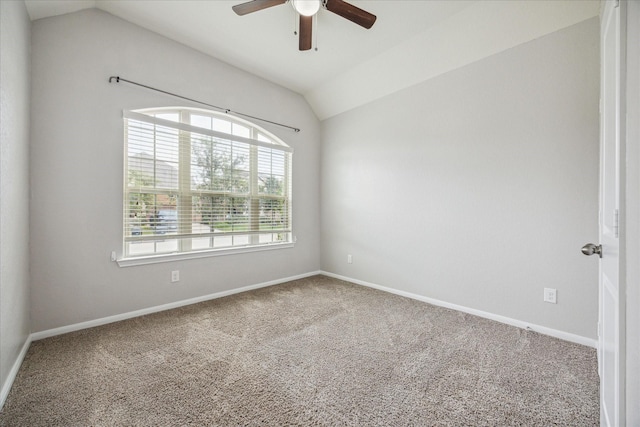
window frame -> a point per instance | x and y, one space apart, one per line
184 193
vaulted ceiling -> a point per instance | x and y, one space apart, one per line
410 42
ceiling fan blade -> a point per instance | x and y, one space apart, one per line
306 27
352 13
255 5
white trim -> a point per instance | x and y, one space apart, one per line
631 219
566 336
8 383
124 316
498 318
6 387
155 259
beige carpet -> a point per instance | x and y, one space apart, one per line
316 351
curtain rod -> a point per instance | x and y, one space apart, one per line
119 79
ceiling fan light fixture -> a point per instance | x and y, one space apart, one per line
306 7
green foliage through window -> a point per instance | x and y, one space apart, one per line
203 183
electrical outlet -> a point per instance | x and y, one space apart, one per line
550 295
175 276
349 259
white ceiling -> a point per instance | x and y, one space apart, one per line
343 73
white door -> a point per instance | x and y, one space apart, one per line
611 323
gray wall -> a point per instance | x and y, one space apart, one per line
76 167
15 39
477 187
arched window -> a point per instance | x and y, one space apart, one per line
200 181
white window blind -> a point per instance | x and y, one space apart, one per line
197 180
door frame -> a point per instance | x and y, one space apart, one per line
630 213
611 305
629 268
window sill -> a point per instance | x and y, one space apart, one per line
156 259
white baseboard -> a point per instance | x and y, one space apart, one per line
498 318
6 387
124 316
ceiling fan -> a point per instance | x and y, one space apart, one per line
307 9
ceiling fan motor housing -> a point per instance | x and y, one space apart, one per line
306 7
